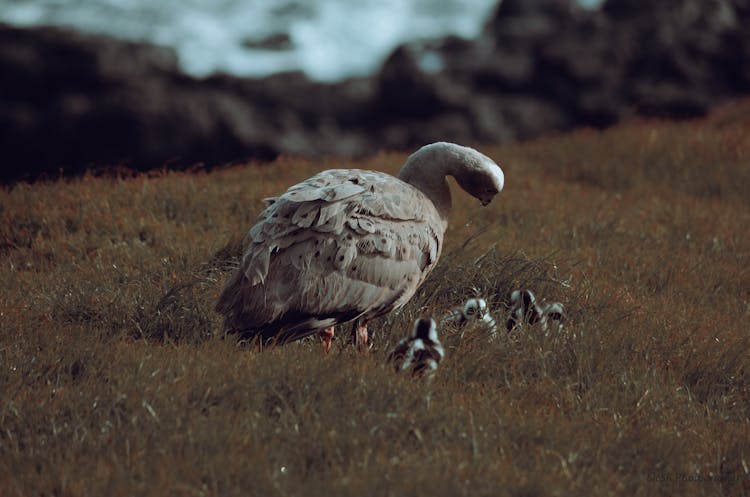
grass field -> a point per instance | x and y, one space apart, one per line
113 380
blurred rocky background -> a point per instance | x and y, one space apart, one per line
71 101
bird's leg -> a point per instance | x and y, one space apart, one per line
326 339
361 336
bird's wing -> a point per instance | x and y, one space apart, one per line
455 316
398 353
340 245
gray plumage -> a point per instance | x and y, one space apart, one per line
349 244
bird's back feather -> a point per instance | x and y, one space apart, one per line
341 245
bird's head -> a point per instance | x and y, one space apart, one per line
476 173
555 311
475 308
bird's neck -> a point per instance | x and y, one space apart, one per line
427 173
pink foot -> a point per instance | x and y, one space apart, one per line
326 339
361 338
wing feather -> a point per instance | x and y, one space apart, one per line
306 214
327 212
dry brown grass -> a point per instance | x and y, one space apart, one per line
113 382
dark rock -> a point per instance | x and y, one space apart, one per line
682 56
73 101
70 101
405 90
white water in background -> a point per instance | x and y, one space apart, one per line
327 39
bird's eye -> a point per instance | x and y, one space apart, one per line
470 310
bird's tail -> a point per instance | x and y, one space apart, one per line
230 301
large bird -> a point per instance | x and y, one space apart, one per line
349 245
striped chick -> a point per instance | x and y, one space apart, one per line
421 352
524 308
475 309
